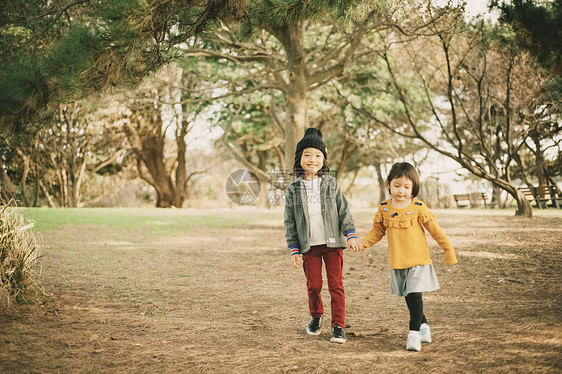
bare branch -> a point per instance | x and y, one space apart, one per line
191 175
59 13
273 114
240 158
353 44
109 161
236 59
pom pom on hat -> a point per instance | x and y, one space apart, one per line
312 139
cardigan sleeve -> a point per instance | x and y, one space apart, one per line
347 226
291 234
430 223
377 232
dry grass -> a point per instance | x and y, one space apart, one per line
18 258
227 300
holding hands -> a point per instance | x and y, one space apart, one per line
355 244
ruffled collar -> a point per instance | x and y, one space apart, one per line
406 217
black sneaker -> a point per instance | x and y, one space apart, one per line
313 327
338 334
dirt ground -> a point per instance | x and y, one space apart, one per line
211 300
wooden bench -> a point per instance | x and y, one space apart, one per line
544 196
470 199
462 200
529 193
549 196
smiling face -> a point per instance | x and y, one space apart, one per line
312 161
401 189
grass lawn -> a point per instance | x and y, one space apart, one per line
157 221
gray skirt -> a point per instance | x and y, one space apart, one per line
419 278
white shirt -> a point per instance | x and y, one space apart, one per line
313 198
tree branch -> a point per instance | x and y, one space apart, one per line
353 44
240 158
59 14
273 114
236 59
109 160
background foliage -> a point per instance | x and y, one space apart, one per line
96 94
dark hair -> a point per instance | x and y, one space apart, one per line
404 169
299 171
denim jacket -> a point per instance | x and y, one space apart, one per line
338 222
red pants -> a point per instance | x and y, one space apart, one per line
312 265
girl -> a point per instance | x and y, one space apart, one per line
404 219
316 216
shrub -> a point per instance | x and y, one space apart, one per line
18 258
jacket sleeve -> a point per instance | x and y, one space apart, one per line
431 225
291 234
377 232
347 226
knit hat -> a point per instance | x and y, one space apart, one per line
312 139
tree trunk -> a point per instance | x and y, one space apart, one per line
347 191
50 200
78 177
539 160
263 199
291 36
164 189
540 163
63 187
180 187
7 188
347 148
497 197
297 123
148 139
36 173
523 206
36 190
381 180
26 166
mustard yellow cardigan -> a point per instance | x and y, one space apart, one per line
407 245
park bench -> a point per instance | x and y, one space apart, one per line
462 200
549 196
544 196
470 199
529 193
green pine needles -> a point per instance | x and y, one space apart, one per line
18 258
279 12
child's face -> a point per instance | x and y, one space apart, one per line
312 161
401 189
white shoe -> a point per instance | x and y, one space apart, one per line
425 333
414 341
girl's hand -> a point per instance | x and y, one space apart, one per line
360 245
355 244
297 260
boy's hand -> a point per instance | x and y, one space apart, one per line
297 260
355 244
360 245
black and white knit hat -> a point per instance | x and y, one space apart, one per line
312 139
